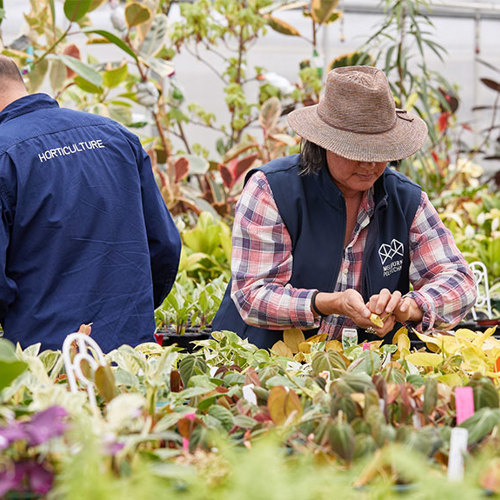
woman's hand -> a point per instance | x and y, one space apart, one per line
392 308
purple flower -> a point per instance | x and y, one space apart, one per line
42 426
29 476
45 425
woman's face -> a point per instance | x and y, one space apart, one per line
351 176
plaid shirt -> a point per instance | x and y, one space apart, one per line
262 266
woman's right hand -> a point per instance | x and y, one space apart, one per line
347 303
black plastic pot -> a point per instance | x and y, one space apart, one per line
184 340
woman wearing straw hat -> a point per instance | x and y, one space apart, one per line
323 239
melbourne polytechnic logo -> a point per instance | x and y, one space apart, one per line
388 253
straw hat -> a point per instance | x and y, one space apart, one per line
357 118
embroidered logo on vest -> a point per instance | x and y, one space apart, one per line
387 252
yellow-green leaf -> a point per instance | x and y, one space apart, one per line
113 77
105 382
292 338
424 359
322 10
136 14
281 349
376 320
450 379
282 27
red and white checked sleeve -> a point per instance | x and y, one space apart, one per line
261 263
443 283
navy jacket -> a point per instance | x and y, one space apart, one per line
313 211
85 236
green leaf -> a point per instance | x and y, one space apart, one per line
57 75
87 86
481 424
191 365
113 77
76 9
136 14
37 74
369 362
52 11
329 361
84 70
223 415
10 366
113 39
120 114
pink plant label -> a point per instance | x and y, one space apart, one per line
464 403
366 346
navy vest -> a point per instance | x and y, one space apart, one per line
313 211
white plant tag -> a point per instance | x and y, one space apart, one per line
248 393
458 449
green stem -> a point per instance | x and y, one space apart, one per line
51 48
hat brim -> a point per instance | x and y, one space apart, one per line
404 139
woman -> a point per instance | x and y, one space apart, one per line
323 239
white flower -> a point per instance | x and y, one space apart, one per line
495 224
481 218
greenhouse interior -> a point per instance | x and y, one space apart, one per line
179 314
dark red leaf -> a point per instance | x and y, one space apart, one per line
491 84
176 381
227 176
181 168
244 164
73 51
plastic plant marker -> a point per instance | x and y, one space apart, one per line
366 346
497 364
159 338
248 393
89 353
458 448
464 402
349 337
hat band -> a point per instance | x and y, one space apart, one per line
400 113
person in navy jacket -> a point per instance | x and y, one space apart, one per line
325 238
85 236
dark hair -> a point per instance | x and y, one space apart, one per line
312 157
9 70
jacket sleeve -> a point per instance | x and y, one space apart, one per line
8 287
163 237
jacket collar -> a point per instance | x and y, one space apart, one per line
27 104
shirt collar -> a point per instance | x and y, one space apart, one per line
27 104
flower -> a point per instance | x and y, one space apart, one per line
42 426
29 476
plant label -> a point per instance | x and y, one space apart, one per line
458 448
248 393
349 337
464 402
